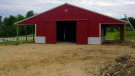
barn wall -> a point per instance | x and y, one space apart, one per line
71 12
82 32
40 29
50 31
39 39
94 40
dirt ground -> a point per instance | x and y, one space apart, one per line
62 59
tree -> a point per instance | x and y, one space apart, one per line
132 20
19 17
21 28
9 21
0 25
29 14
9 28
5 21
30 28
0 20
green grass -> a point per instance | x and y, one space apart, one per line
15 42
16 36
116 35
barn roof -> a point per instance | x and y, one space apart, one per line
70 5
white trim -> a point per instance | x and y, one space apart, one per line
35 30
74 6
100 30
94 40
40 39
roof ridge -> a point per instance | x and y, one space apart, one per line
73 6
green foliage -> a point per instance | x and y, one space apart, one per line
10 31
132 20
113 29
0 20
128 27
9 21
9 28
5 21
20 17
29 14
30 28
21 28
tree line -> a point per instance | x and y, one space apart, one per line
9 29
127 28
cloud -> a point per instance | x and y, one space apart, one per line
115 8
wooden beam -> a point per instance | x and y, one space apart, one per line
26 32
104 31
122 35
33 33
17 35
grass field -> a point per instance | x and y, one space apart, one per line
63 59
116 35
15 42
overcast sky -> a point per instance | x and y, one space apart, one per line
114 8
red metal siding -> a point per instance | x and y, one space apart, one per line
82 32
50 32
73 13
40 29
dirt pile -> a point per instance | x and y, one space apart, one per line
122 66
133 46
130 43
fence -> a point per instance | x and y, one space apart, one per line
14 39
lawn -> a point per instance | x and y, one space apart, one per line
15 42
116 35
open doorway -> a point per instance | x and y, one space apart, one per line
112 33
66 31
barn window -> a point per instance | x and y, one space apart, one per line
66 10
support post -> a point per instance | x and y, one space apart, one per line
17 35
104 33
122 35
33 33
26 32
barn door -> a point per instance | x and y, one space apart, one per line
50 31
82 32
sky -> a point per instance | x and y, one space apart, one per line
113 8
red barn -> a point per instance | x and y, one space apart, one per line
71 23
